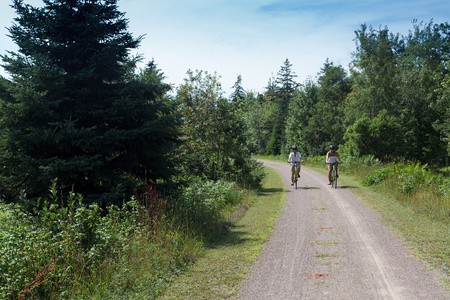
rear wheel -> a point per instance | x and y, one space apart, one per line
295 179
335 182
333 178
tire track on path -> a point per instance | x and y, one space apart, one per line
328 245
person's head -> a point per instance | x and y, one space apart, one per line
294 148
332 148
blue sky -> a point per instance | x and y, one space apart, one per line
252 38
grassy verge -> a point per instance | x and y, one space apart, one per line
218 273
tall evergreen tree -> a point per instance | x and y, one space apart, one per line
334 86
397 85
422 72
373 72
238 94
286 85
302 109
284 88
73 112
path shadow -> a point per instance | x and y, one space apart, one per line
229 234
266 191
347 187
291 189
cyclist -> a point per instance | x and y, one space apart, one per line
333 158
295 158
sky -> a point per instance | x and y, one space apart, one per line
253 38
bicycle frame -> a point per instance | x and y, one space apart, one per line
333 174
296 168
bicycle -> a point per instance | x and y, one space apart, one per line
334 176
296 166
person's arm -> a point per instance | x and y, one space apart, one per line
338 157
326 159
289 159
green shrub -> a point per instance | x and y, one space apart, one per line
377 176
203 201
59 251
318 160
133 251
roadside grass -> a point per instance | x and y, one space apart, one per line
225 263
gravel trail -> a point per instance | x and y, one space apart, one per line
328 245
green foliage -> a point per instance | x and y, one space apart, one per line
394 103
214 133
259 112
60 252
378 176
380 136
274 145
238 94
316 112
397 95
280 92
318 160
443 123
73 111
373 72
203 202
299 131
412 177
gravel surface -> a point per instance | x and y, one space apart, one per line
328 245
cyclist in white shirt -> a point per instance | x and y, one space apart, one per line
295 158
333 158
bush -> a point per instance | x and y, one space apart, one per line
203 201
378 176
60 251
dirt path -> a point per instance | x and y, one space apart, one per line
328 245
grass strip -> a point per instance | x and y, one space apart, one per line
219 272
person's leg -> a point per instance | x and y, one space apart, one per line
299 168
336 166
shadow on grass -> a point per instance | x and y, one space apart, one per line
347 187
228 234
267 191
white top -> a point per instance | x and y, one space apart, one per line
332 159
295 158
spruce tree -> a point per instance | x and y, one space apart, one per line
73 111
285 87
238 94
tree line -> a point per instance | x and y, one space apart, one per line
393 103
78 109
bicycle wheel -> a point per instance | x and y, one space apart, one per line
333 178
295 178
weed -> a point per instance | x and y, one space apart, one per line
327 255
